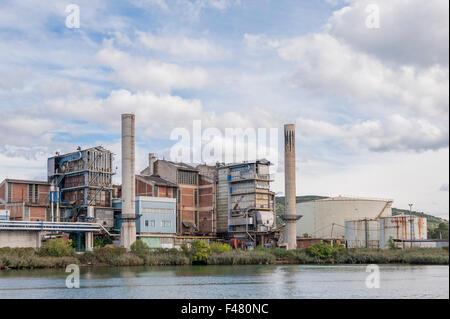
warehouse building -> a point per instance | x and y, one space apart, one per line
325 218
25 200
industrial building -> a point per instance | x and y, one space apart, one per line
405 231
195 193
325 218
81 179
170 203
245 203
155 220
25 200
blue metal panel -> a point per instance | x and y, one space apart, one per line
151 222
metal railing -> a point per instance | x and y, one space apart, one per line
51 226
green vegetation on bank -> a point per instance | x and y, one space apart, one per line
56 253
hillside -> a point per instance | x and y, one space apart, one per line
437 226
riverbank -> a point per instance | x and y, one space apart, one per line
57 255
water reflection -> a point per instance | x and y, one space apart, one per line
252 281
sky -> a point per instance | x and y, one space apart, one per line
367 90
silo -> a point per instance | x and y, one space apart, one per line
325 218
402 227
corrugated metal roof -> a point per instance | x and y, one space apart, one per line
155 179
348 198
24 181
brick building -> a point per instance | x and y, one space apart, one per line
26 200
195 194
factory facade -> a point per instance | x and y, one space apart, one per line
25 200
169 203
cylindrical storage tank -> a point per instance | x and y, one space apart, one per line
325 218
363 233
405 227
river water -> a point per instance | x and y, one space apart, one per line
261 281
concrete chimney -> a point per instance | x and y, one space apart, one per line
128 229
290 214
151 163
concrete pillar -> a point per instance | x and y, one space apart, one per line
290 214
58 199
128 229
89 237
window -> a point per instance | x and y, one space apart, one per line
174 192
187 177
196 219
179 196
166 223
152 223
156 191
36 193
9 192
195 197
167 192
30 192
146 223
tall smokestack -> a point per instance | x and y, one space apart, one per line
151 163
290 215
128 229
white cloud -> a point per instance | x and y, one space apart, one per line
394 133
182 46
324 65
188 8
410 33
141 74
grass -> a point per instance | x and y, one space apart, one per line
27 258
239 257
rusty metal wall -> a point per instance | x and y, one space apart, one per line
379 231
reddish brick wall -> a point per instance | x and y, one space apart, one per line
19 192
187 197
143 189
37 213
44 191
205 222
165 191
3 192
15 212
206 197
